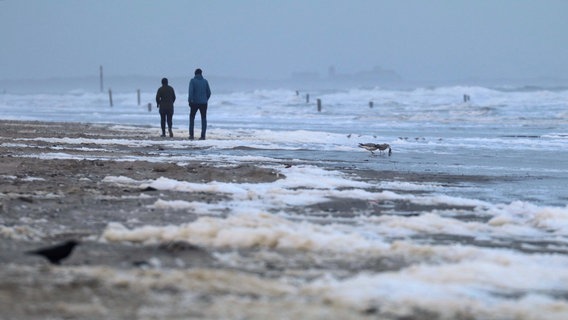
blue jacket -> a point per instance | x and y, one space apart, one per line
199 91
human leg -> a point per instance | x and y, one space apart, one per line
163 122
170 121
192 114
203 113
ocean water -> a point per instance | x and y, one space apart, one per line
512 264
520 135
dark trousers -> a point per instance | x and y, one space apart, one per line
203 112
166 114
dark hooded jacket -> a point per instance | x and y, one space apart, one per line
165 97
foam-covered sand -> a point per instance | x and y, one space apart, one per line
169 231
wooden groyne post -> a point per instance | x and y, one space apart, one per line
101 77
110 96
370 104
307 98
319 105
138 95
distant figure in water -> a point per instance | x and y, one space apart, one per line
165 98
198 96
56 253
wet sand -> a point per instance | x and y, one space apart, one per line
45 201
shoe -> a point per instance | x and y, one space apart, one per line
163 135
202 138
171 134
190 138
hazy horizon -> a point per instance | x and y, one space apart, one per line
419 40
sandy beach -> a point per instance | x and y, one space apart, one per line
51 192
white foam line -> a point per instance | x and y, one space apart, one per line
300 188
191 206
246 231
479 287
122 142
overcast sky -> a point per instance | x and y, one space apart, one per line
419 39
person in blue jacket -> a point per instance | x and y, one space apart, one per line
198 96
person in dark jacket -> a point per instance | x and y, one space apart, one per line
165 98
198 96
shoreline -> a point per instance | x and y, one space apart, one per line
54 186
59 186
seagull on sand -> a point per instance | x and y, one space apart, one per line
374 147
56 253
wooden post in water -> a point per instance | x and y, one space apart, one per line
319 105
138 94
149 106
307 98
101 77
110 96
370 104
